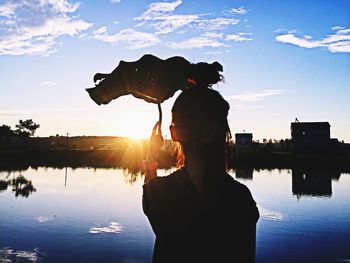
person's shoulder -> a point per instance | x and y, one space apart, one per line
238 188
244 196
235 184
164 181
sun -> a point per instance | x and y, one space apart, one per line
135 123
134 118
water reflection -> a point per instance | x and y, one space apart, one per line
309 182
98 216
65 177
21 186
113 227
305 181
246 173
8 254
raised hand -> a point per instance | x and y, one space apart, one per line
155 143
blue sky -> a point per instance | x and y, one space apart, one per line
282 60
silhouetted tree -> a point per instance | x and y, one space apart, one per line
6 130
26 128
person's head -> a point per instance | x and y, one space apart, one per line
199 114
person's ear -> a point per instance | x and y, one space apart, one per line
173 134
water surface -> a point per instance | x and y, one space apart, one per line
95 215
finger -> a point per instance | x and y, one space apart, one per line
159 129
154 130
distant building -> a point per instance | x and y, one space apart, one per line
310 136
243 142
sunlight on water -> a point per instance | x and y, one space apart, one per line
42 219
8 254
113 227
269 215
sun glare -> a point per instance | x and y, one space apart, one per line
134 124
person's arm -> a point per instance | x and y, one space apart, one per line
150 165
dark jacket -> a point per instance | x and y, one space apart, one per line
219 226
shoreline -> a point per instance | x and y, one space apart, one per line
132 160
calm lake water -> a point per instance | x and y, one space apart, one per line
95 215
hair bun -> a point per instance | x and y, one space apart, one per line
204 74
217 66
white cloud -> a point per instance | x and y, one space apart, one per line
159 9
298 41
7 10
196 42
60 6
170 23
239 11
162 18
100 30
115 1
255 96
213 34
113 227
218 23
32 27
131 38
238 37
339 41
343 46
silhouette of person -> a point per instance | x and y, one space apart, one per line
199 213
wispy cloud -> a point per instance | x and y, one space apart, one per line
161 17
210 39
196 42
218 23
255 96
239 37
131 38
337 42
32 27
239 11
115 1
159 9
7 9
